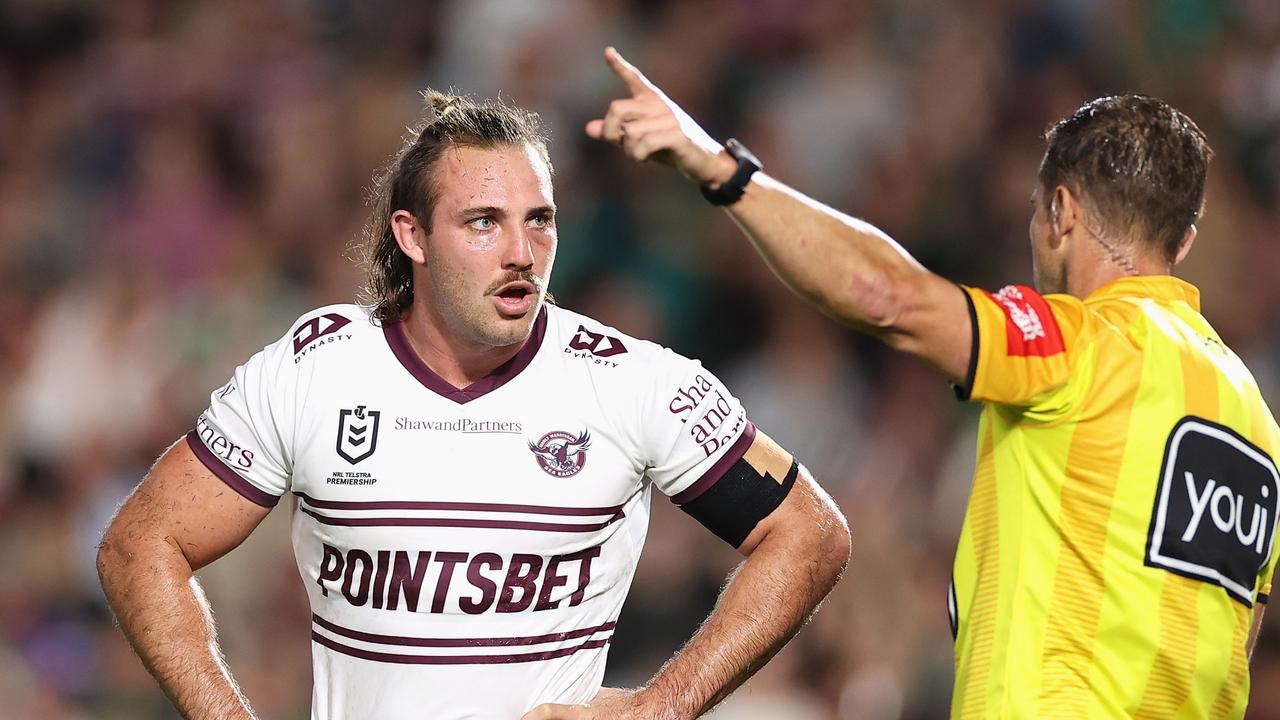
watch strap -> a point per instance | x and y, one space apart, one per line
731 190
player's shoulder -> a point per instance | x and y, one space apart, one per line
595 344
329 319
322 327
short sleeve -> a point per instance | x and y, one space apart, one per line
694 429
245 436
1022 344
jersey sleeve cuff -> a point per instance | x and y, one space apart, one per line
247 489
721 466
963 392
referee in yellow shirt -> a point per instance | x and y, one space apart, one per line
1118 546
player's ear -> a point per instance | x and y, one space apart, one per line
1185 246
409 236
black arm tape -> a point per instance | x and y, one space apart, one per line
1263 598
963 391
739 500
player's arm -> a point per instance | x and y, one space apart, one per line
794 556
849 268
796 544
179 519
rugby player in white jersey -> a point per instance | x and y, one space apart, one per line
469 472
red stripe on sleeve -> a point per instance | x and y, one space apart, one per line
1030 326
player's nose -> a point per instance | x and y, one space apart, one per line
517 251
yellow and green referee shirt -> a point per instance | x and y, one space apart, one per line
1123 513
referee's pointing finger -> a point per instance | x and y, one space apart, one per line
636 82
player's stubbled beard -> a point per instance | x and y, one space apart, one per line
471 314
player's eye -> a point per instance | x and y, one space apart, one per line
482 223
541 221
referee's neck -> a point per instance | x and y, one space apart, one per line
1098 268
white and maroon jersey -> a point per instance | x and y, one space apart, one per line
466 551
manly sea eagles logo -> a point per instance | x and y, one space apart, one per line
560 453
357 433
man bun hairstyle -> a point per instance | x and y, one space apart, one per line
1136 162
407 183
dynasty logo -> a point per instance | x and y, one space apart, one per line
318 331
595 347
357 433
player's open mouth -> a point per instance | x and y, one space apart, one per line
515 299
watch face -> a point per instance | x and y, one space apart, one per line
741 153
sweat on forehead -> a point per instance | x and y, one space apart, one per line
499 175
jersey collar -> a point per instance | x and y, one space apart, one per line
404 352
1157 287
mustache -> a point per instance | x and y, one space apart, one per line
514 276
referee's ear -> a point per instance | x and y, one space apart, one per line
409 236
1064 211
1187 241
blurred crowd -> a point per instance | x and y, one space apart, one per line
180 180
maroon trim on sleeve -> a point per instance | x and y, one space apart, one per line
227 475
717 471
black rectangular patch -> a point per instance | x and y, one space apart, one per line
1215 511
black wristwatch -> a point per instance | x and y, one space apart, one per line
733 188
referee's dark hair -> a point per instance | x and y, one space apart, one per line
407 184
1137 162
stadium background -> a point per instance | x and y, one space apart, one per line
178 181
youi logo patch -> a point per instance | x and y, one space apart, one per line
1215 512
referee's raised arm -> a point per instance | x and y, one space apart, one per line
1111 407
851 269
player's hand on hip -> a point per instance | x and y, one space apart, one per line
647 125
608 704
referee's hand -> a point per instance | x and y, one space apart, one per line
647 125
608 704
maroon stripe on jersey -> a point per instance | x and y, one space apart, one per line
227 475
460 642
477 506
460 522
408 357
717 471
453 659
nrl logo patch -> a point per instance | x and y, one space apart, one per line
357 433
561 454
